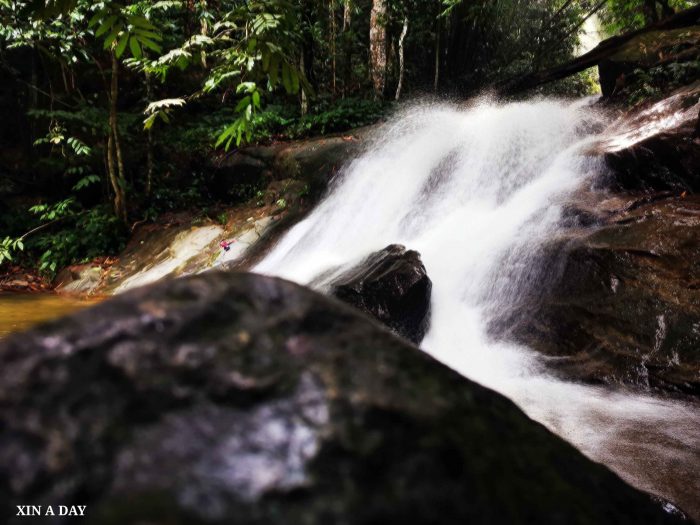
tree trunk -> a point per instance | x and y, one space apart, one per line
150 157
303 99
204 31
113 180
307 40
650 14
114 151
436 78
404 30
332 39
666 10
377 46
347 46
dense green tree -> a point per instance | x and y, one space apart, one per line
626 15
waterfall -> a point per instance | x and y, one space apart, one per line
477 190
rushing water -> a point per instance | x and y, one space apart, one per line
21 311
476 190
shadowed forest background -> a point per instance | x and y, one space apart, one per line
113 111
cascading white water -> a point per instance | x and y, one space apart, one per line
476 190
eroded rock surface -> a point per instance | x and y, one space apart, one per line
620 299
235 398
621 302
392 286
657 148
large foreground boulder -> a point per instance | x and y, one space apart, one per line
392 286
235 398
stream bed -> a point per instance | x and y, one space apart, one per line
21 311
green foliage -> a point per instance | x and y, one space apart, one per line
339 116
57 137
9 245
86 181
166 197
94 232
161 109
620 16
246 107
85 120
253 52
64 235
279 123
649 84
58 210
121 27
275 122
193 75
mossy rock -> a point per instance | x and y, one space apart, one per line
237 398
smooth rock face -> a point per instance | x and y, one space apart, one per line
235 398
392 286
314 160
656 149
621 303
668 161
81 279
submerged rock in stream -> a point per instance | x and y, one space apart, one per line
392 286
236 398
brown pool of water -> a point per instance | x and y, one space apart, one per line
21 311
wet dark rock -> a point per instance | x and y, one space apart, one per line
655 149
667 161
238 168
313 161
392 286
235 398
79 279
622 303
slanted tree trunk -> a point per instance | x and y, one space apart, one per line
402 37
377 46
114 151
599 53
